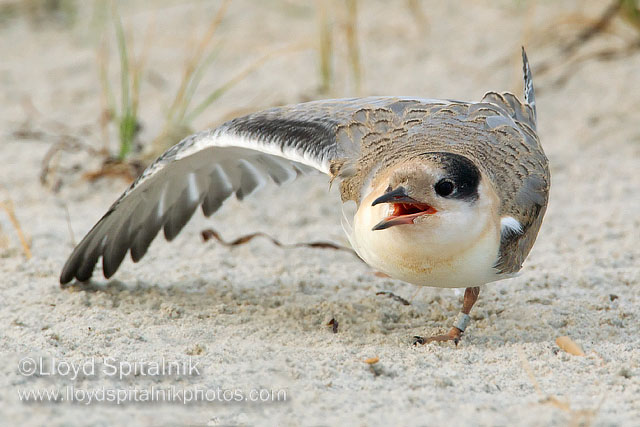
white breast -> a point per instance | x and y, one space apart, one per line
439 255
395 252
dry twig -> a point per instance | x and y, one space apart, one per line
594 29
209 234
394 297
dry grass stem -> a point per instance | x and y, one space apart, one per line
325 47
217 93
351 33
582 417
192 65
8 207
106 98
72 236
415 8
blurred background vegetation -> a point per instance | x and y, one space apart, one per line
131 51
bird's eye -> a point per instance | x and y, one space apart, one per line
444 187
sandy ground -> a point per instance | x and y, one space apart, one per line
254 317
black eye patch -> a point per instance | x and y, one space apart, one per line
461 172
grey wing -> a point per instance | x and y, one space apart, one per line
517 238
520 171
207 168
528 194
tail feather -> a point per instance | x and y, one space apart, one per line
529 93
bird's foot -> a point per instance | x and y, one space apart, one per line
454 335
460 324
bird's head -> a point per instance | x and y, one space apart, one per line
438 199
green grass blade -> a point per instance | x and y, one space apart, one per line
127 119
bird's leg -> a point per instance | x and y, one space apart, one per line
461 323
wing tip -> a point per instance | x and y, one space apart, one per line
529 92
65 278
70 275
71 267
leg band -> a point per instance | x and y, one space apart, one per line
462 321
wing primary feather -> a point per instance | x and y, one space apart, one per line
90 259
116 248
193 192
250 179
279 172
179 214
73 264
147 232
82 260
219 190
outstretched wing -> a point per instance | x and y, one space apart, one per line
205 169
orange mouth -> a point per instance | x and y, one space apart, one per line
414 209
404 213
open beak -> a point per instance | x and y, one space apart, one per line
405 209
